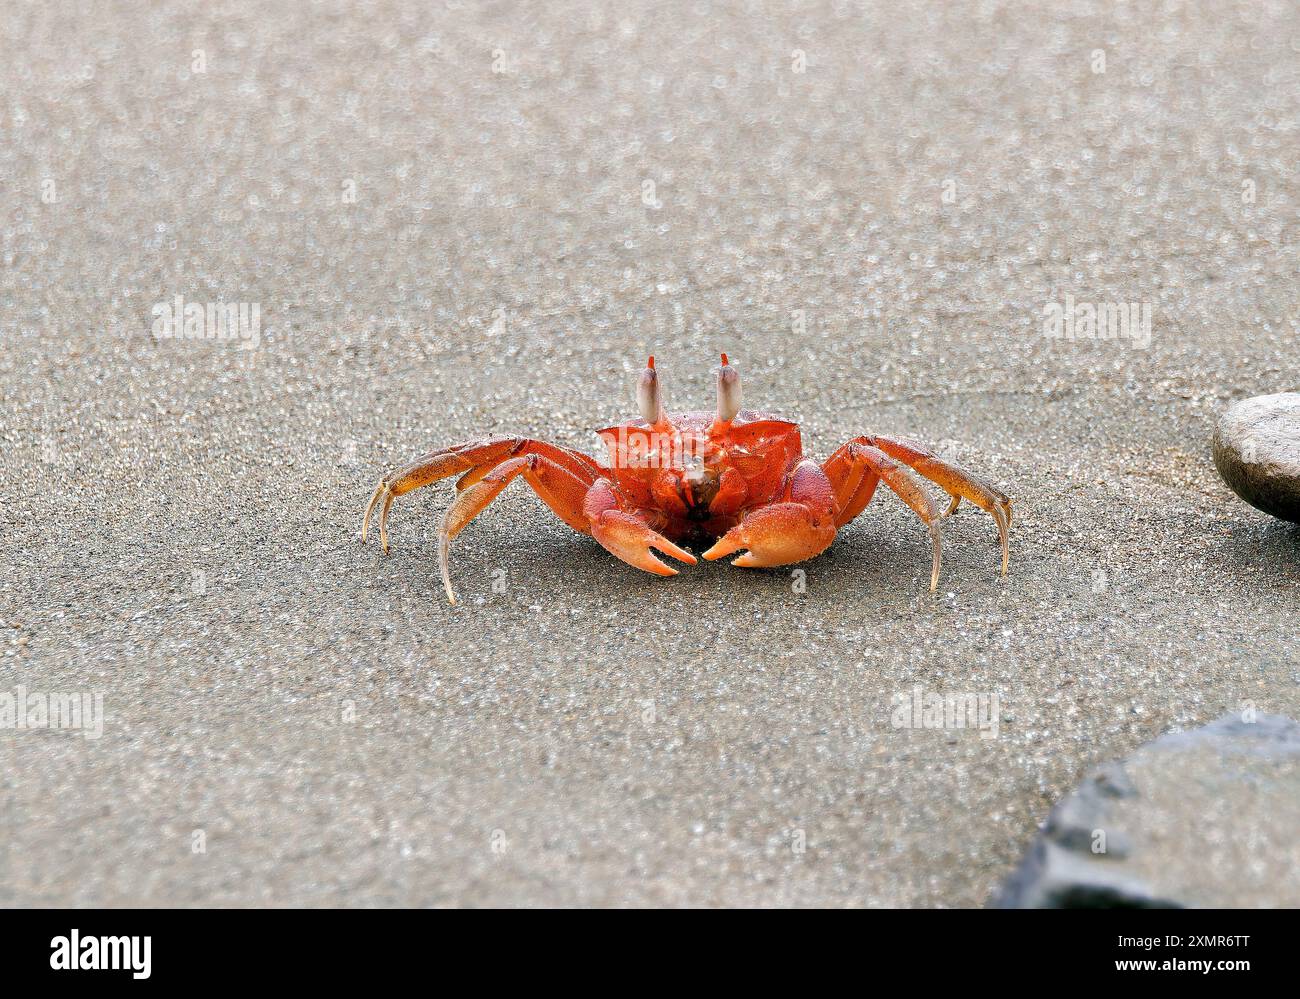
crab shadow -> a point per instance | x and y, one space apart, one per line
861 564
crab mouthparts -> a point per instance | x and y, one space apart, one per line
696 476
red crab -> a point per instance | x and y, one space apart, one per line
734 477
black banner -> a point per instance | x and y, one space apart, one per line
139 949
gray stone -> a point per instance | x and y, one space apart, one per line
1205 818
1257 451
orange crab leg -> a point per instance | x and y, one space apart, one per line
959 483
475 458
853 481
558 488
881 467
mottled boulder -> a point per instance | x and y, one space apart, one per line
1206 818
1257 451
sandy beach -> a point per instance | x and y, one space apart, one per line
445 221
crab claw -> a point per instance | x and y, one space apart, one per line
627 537
780 534
786 532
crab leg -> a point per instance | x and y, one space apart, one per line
896 477
853 481
558 488
476 459
959 483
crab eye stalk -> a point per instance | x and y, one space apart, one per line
648 398
728 392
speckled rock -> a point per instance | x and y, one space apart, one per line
1205 818
1257 451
